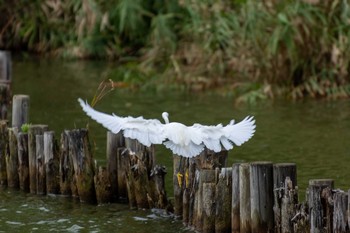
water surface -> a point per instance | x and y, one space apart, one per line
313 134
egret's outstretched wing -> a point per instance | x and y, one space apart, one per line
147 132
239 133
210 136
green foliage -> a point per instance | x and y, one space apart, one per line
25 127
295 47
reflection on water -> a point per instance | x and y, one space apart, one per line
313 134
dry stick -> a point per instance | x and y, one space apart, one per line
20 110
261 192
223 199
12 159
235 211
318 213
40 166
280 172
340 212
244 198
23 162
3 152
80 151
32 132
51 163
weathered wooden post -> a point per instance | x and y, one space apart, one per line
244 199
5 82
80 151
158 183
51 163
223 200
123 164
20 110
207 201
103 186
235 211
340 223
66 171
280 172
23 162
179 163
5 66
186 193
33 130
193 187
3 152
261 197
288 206
12 160
40 166
113 143
319 208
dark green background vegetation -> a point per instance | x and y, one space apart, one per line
251 49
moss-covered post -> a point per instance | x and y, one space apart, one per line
235 214
245 222
66 171
103 186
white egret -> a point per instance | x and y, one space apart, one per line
188 141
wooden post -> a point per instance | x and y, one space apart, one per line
193 188
23 162
66 171
112 150
179 163
280 172
319 218
223 199
158 183
3 152
20 110
103 186
5 82
51 163
186 193
12 160
207 201
244 198
5 66
80 151
235 211
40 166
288 206
32 132
340 212
261 193
123 163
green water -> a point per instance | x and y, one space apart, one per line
313 134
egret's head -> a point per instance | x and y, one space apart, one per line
165 116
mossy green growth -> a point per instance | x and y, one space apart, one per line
25 127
